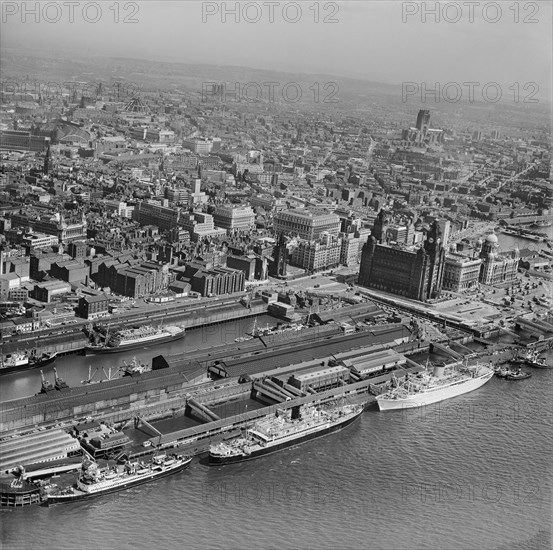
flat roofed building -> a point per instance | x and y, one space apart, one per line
39 240
153 214
461 273
306 224
323 253
374 362
234 217
320 377
200 225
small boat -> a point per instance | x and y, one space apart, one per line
519 375
135 367
534 360
17 361
502 372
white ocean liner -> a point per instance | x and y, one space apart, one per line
426 388
133 338
144 335
93 481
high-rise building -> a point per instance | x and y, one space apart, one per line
414 273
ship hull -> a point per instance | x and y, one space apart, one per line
92 350
428 398
535 365
28 366
63 499
222 460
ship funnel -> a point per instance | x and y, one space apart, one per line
439 371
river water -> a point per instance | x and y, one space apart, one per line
473 472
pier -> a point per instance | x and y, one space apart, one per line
163 390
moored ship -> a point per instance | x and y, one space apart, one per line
132 338
93 481
17 362
534 360
285 429
425 388
135 368
542 223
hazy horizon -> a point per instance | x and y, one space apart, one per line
381 42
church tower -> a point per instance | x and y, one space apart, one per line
278 266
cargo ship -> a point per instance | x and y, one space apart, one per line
132 338
285 429
17 362
425 388
93 481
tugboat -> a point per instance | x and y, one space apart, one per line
135 367
518 375
501 372
17 361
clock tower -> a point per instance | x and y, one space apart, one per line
436 254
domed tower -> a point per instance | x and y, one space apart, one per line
490 246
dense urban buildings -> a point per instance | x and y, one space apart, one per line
162 196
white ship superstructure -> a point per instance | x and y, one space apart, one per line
144 335
94 481
283 430
425 388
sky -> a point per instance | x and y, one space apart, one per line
380 41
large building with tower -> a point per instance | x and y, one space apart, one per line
415 273
497 267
